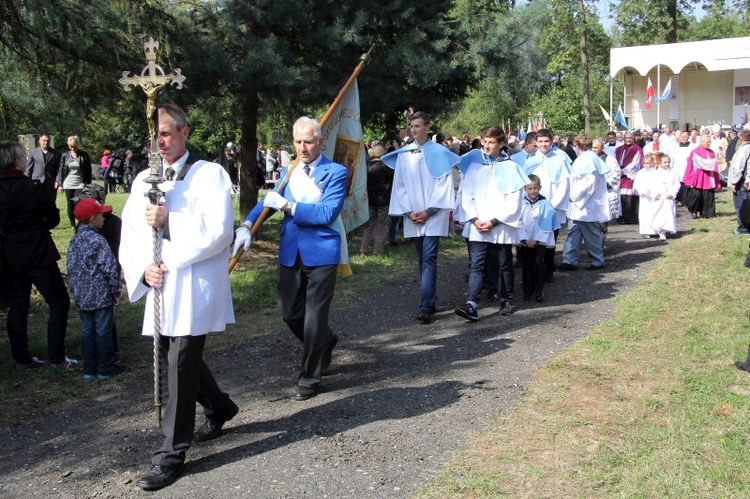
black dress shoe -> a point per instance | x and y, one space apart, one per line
567 266
507 308
159 477
212 428
305 392
550 279
595 267
424 317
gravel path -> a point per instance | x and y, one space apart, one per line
399 396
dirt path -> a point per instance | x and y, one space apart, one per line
399 398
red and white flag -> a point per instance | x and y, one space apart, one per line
650 94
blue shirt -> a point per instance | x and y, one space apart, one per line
93 275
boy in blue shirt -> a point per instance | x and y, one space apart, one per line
94 279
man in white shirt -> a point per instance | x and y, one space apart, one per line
612 143
491 198
423 195
588 207
196 224
552 166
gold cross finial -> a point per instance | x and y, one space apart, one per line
152 79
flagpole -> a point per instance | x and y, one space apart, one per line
611 96
364 59
658 101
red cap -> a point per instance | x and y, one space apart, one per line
87 208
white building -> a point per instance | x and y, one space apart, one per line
710 82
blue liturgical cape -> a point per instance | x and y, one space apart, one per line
438 159
589 162
509 176
558 165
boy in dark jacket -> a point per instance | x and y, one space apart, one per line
94 279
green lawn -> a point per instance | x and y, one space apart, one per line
648 405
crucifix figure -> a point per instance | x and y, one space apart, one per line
152 79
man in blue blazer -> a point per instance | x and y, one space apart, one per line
309 249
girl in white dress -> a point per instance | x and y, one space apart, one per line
643 185
666 185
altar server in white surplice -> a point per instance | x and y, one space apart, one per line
588 207
552 166
492 199
423 195
678 152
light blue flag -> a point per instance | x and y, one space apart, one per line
620 116
667 91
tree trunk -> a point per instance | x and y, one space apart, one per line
248 152
672 15
585 68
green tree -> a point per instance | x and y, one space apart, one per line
723 19
501 47
66 57
577 47
648 22
286 55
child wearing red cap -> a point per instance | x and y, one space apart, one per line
94 279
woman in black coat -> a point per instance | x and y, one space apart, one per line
74 173
29 256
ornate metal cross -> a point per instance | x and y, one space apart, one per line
152 80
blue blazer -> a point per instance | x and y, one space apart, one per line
308 233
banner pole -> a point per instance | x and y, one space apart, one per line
364 59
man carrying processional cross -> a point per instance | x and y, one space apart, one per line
188 225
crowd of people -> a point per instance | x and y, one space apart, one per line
503 195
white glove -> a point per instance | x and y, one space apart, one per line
242 238
274 200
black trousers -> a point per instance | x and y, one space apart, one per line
534 269
69 195
305 295
549 257
629 209
703 202
50 284
190 380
